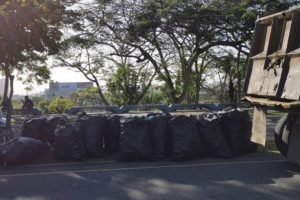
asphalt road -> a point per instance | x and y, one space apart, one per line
255 176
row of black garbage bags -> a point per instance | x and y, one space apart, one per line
154 137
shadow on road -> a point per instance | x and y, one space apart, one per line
257 177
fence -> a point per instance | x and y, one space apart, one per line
160 107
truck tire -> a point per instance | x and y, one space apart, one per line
281 135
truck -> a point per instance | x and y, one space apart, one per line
272 80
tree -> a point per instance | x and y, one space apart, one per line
171 35
41 103
154 95
129 84
28 29
80 53
59 105
86 97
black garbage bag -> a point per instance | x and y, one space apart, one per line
135 141
68 143
33 128
112 134
22 150
50 125
186 142
210 130
159 135
237 126
93 128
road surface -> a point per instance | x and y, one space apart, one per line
255 176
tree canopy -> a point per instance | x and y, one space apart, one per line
28 30
172 36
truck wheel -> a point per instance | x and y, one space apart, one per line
281 135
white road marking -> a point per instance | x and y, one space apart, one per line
140 168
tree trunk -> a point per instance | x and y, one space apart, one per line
199 73
186 84
10 107
145 90
7 100
223 88
101 94
231 90
239 79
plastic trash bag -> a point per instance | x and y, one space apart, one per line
237 126
186 142
210 130
68 143
34 128
112 134
135 141
93 128
159 135
22 150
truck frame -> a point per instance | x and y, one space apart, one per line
273 79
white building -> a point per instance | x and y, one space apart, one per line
65 88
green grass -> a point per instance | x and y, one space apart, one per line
276 112
269 147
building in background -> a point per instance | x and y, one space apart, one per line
64 89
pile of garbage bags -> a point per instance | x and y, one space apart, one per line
148 138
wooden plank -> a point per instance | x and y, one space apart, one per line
272 103
259 126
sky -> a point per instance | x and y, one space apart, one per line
57 74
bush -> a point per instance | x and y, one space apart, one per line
60 105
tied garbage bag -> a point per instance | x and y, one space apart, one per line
68 143
22 150
93 128
33 128
50 125
112 134
186 142
237 126
210 130
135 141
159 134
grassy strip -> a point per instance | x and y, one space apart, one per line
269 147
276 112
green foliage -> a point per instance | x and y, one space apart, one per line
59 105
86 97
126 86
29 30
17 104
42 104
31 27
154 96
171 37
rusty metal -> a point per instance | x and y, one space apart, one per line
273 76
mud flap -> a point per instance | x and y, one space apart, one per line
293 154
259 125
